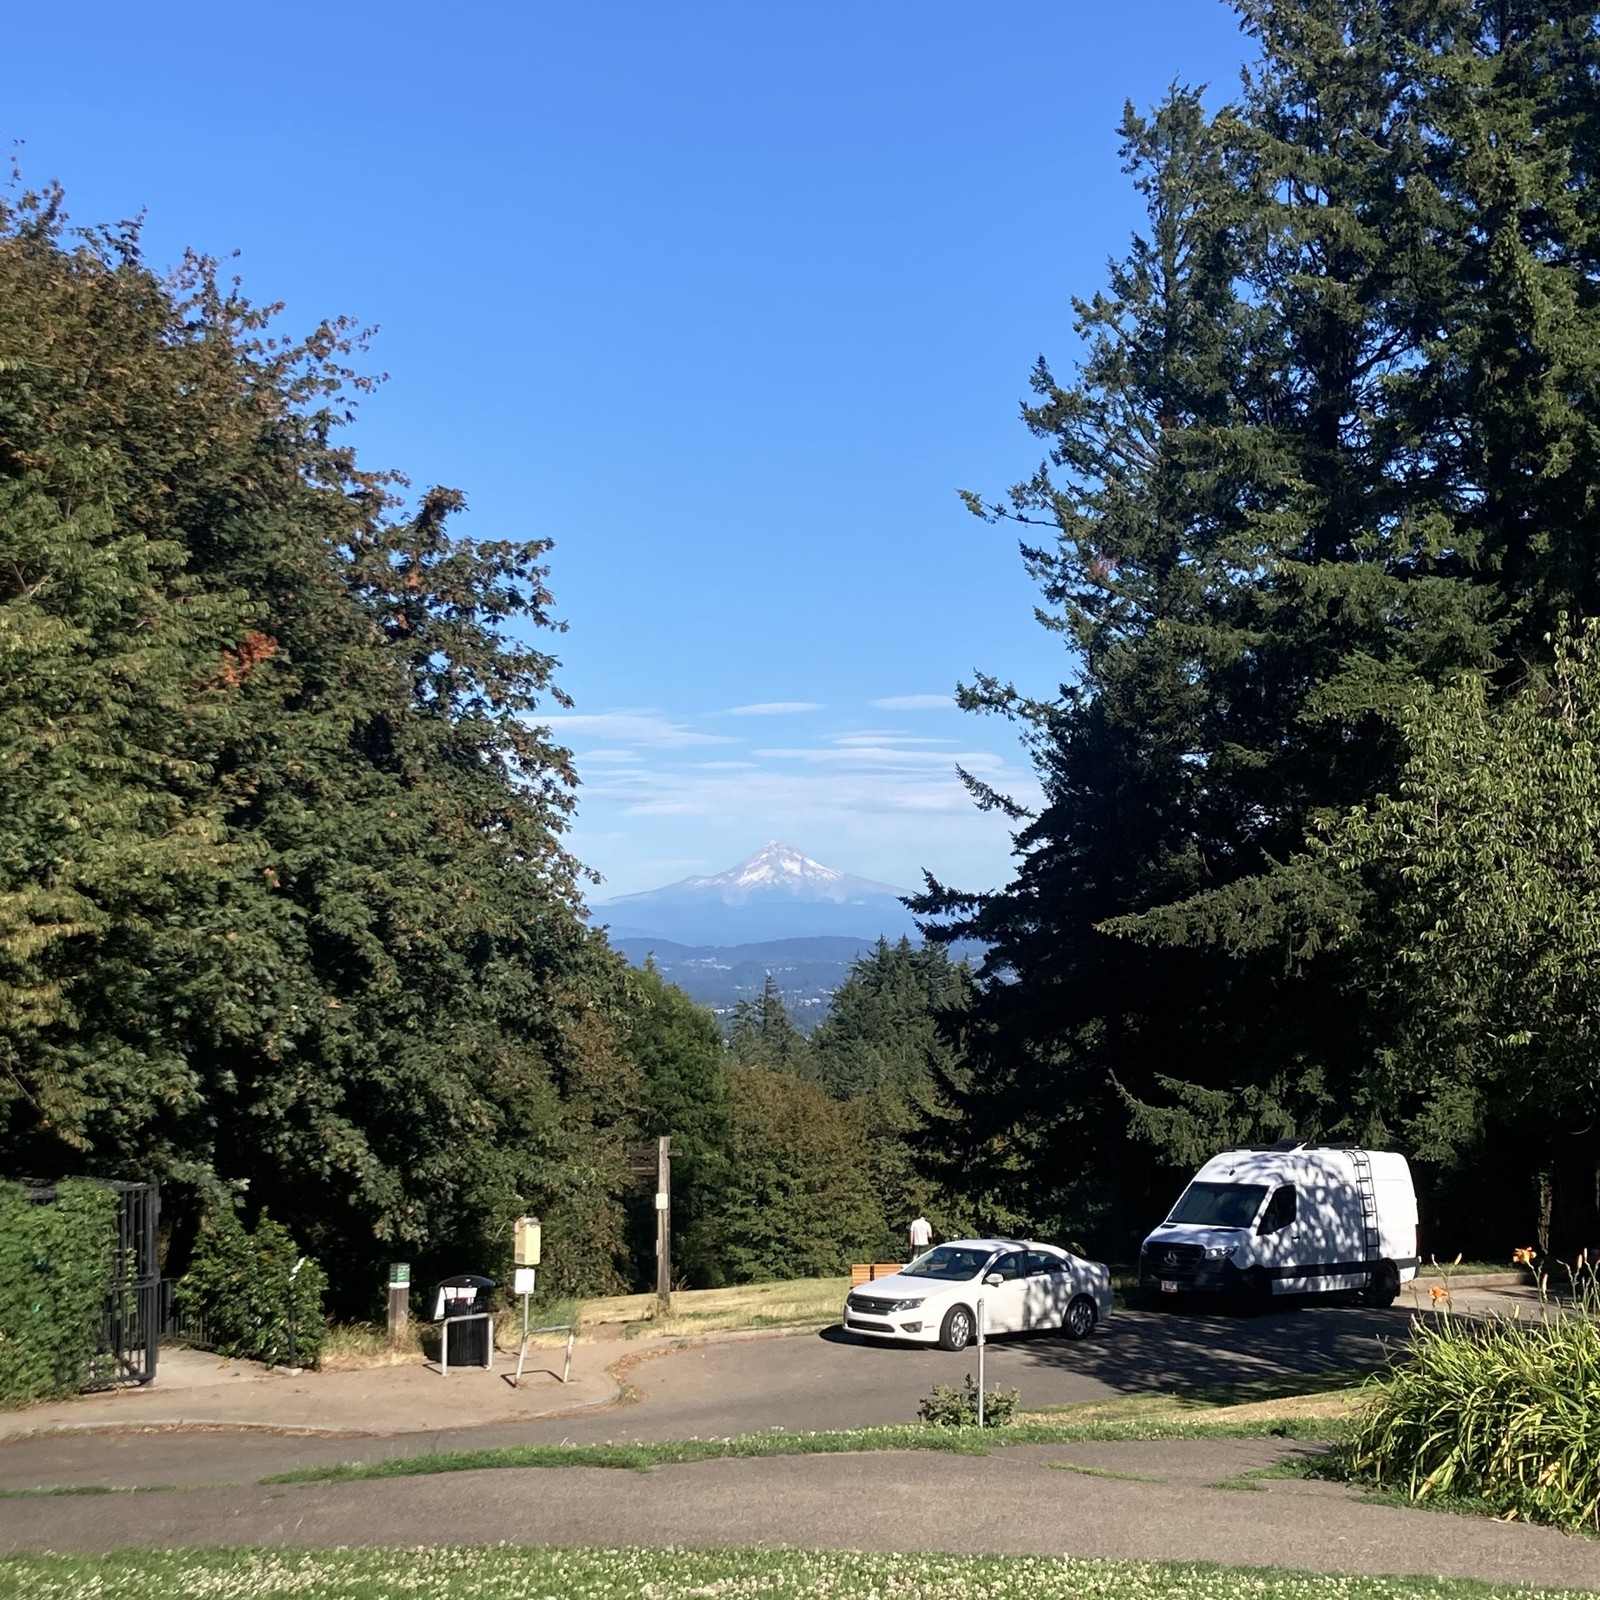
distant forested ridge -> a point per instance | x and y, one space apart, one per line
1318 515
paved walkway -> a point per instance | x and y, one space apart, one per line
1022 1499
193 1389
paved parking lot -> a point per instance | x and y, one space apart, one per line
742 1385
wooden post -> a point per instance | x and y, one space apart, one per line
399 1300
664 1224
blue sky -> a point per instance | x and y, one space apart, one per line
726 299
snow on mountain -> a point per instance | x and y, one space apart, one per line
778 893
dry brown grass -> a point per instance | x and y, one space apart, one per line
800 1303
356 1346
1297 1399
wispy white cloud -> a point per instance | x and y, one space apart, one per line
773 708
799 788
915 702
580 756
875 736
634 728
880 757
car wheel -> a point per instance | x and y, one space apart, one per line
956 1332
1080 1319
1383 1287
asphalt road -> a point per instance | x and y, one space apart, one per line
804 1381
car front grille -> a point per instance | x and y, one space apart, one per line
869 1307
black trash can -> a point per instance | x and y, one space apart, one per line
463 1343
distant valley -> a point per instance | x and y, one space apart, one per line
779 911
720 976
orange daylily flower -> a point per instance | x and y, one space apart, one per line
1437 1293
1524 1256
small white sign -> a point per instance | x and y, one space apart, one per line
522 1279
661 1200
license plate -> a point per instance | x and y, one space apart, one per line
1168 1286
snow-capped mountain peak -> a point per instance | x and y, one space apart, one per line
779 892
777 865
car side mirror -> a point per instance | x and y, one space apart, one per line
994 1280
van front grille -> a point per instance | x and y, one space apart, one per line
1162 1260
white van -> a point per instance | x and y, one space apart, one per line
1289 1218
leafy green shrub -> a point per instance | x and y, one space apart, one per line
55 1267
257 1295
1504 1411
950 1407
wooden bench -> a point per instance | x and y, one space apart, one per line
865 1272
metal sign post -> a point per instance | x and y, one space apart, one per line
980 1361
525 1237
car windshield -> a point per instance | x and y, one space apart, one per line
1219 1205
951 1262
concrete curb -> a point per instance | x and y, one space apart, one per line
1471 1280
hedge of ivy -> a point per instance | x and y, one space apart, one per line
55 1268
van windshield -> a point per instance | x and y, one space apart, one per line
1219 1205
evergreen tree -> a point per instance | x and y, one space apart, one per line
881 1049
881 1031
765 1036
1296 478
798 1201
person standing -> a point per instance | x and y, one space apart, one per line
920 1233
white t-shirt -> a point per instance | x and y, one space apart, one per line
921 1234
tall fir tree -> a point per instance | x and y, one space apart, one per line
1295 479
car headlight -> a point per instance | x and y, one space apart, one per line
1218 1252
905 1305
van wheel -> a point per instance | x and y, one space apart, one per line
1080 1318
956 1333
1383 1287
1257 1293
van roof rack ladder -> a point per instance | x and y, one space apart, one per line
1369 1202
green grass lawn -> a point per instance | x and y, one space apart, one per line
507 1573
749 1446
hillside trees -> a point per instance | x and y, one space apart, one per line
883 1050
1488 856
684 1094
764 1034
798 1200
284 907
1329 441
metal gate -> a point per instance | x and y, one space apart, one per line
130 1321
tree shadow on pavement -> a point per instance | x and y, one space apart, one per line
1138 1350
1142 1350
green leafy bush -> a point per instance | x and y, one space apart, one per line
950 1407
257 1295
1505 1411
55 1267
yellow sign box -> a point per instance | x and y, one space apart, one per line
525 1242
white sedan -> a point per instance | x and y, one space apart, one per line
1022 1285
